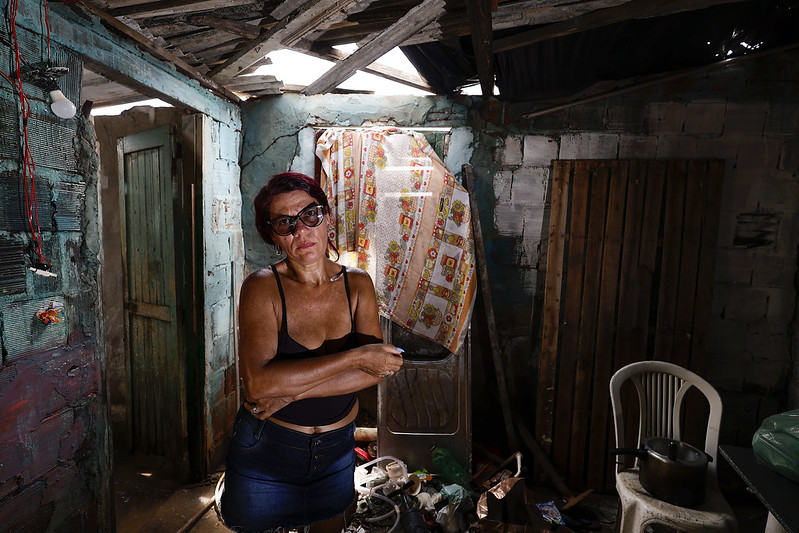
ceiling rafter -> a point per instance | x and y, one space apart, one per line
288 32
415 20
482 41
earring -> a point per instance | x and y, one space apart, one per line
278 251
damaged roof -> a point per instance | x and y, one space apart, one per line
531 50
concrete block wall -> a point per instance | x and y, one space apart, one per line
753 331
730 114
223 270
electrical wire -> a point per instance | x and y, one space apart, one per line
28 163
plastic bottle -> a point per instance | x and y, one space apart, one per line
449 468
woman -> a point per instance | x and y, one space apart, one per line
309 338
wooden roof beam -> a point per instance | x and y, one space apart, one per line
415 20
377 69
290 30
482 42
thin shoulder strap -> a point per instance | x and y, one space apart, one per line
283 300
349 301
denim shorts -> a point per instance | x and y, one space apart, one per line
277 478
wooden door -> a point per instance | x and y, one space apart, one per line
629 277
156 359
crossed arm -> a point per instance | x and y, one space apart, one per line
271 384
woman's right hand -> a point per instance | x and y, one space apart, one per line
379 360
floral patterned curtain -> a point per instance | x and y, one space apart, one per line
407 221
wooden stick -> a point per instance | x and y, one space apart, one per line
479 252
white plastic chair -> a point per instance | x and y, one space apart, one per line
661 389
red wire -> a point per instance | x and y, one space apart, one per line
47 24
28 163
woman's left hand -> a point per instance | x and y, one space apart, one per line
265 407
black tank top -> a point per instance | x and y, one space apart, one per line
313 411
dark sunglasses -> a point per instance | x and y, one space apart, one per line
311 216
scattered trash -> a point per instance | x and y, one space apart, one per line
550 513
49 315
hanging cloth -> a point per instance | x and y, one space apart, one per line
398 209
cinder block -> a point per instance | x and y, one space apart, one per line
742 304
704 117
539 150
23 332
511 155
637 147
745 118
589 116
734 266
503 183
589 146
789 156
735 194
222 319
676 147
775 195
727 372
626 115
509 219
763 153
783 115
529 187
768 341
765 374
773 271
781 305
44 442
719 148
664 117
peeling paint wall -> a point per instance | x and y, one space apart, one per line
54 438
746 114
223 267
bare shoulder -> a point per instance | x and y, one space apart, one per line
359 279
258 284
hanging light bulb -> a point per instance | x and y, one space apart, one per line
61 105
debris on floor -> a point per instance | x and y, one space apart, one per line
394 498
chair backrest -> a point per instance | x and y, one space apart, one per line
661 389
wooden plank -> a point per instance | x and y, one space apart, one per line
235 27
174 7
670 262
707 265
496 351
689 262
583 377
600 429
416 19
648 253
287 33
570 327
631 287
636 9
556 247
482 40
629 290
378 69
